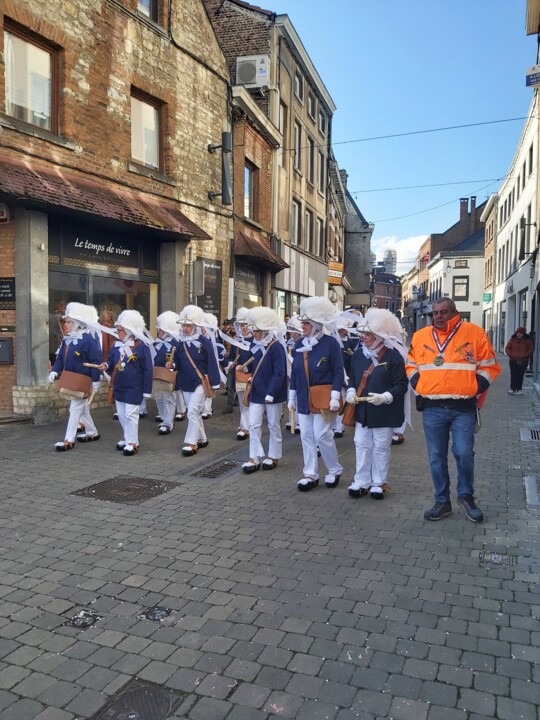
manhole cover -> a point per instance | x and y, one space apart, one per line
217 469
85 618
126 489
140 701
490 558
155 613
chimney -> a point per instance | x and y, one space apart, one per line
473 215
463 209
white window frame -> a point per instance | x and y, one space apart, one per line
297 161
145 132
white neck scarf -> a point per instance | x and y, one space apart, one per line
309 342
73 337
192 339
125 346
262 344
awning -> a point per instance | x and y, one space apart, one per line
256 252
29 183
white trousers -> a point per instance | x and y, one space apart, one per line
128 416
273 416
208 406
79 412
372 455
316 430
338 425
166 405
244 411
195 406
180 404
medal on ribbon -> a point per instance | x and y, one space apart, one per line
439 360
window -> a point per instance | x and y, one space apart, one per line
321 178
311 160
148 8
531 159
295 222
319 238
30 80
322 122
145 132
308 238
299 86
297 146
250 174
311 105
460 288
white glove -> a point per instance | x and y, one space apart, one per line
229 366
269 399
380 398
147 395
334 405
96 385
52 376
292 400
351 396
216 387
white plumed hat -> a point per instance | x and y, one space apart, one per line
210 321
133 321
191 314
293 324
382 323
241 315
168 322
80 313
263 318
317 309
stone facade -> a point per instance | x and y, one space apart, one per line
105 53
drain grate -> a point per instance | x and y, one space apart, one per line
126 489
529 434
490 558
217 469
140 701
155 613
85 618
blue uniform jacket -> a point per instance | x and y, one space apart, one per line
388 376
71 357
271 377
135 377
205 360
325 367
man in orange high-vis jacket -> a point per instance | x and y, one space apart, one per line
449 364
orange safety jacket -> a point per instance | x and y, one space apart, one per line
469 365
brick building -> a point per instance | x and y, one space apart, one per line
267 57
386 292
106 115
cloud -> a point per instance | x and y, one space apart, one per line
406 248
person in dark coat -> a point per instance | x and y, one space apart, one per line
380 404
520 349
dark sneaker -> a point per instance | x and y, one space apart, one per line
472 511
438 511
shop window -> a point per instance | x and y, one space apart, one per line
460 288
146 131
63 288
149 8
30 68
250 175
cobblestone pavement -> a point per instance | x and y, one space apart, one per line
284 604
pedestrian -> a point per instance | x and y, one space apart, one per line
198 371
520 349
209 330
164 383
230 354
315 391
294 333
79 353
267 388
241 367
348 345
449 365
130 367
377 386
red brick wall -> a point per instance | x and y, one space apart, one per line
251 146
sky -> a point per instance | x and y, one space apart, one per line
403 66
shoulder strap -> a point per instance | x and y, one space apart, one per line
306 368
199 373
260 361
365 378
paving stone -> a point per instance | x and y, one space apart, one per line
210 709
474 701
216 686
283 704
405 709
306 686
509 709
86 703
24 709
251 695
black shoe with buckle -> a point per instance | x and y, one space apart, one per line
438 511
471 509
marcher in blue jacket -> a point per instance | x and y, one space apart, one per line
165 347
79 346
130 366
241 356
322 354
380 406
268 388
195 359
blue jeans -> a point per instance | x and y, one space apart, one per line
439 422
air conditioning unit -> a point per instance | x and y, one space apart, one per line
253 71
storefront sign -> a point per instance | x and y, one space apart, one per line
7 293
335 273
486 297
532 77
247 278
211 300
101 250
